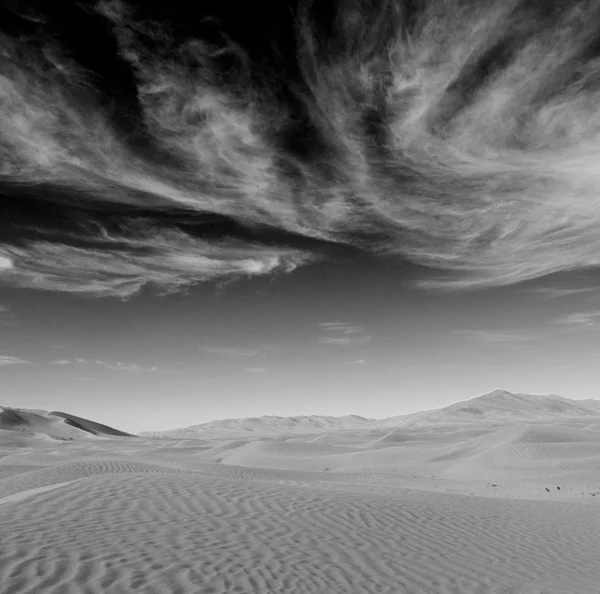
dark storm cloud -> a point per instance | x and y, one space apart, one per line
172 144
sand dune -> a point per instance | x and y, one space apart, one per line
494 408
500 406
476 508
56 425
267 425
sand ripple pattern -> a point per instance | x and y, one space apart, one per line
393 516
162 531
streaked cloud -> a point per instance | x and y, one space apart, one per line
256 370
340 328
555 293
121 264
589 320
491 188
110 365
127 367
344 340
232 352
7 316
8 360
342 334
494 336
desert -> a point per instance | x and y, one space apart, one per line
497 494
299 297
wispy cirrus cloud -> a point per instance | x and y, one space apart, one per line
483 168
110 365
126 367
344 340
256 370
355 362
5 264
556 293
7 317
342 334
588 320
494 336
232 352
120 264
8 360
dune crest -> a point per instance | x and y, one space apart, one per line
57 425
495 406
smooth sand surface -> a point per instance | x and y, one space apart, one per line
463 510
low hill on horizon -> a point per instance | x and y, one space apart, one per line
503 406
492 407
497 406
270 425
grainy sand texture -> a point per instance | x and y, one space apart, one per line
463 508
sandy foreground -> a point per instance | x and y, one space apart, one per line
461 510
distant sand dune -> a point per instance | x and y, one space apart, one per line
549 434
55 425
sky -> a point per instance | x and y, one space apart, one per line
367 209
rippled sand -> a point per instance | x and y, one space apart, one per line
462 511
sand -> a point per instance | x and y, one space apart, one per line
461 509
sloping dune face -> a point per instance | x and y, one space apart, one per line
500 406
90 426
56 425
448 509
521 458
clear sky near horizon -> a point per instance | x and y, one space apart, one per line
362 207
337 338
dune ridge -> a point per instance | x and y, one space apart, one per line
498 406
56 425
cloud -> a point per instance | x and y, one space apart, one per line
340 328
256 370
7 317
464 138
582 320
342 334
127 367
111 365
6 360
495 336
554 293
122 264
344 340
232 352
